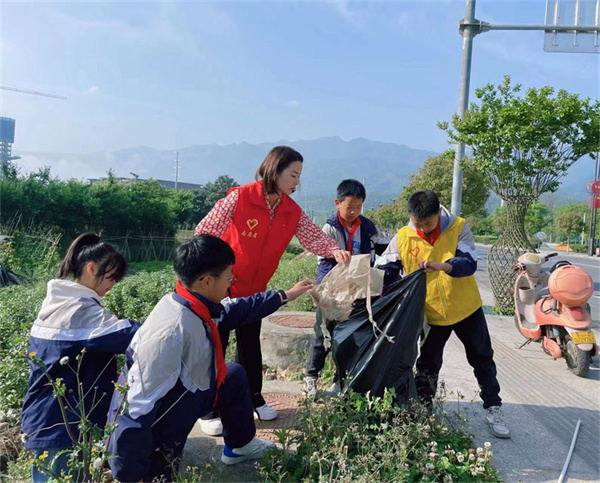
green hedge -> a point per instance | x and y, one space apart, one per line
578 248
486 239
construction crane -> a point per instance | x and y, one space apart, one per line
8 125
35 93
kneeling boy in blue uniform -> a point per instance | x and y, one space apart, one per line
177 372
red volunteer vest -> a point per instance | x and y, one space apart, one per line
257 243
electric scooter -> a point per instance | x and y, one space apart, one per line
551 307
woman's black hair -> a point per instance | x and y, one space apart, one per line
202 255
88 248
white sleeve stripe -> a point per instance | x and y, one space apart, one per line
51 333
463 247
387 258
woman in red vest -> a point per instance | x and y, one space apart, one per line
259 220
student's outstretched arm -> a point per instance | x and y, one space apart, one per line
243 310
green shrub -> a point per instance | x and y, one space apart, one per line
135 296
19 307
155 266
361 439
578 248
292 270
294 249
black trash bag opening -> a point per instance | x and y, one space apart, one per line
371 363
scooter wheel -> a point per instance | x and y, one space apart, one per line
578 361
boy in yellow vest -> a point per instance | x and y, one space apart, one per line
442 244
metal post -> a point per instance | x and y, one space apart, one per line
468 32
593 212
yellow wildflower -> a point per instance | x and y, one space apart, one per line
31 462
32 354
44 455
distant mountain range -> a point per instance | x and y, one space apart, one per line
383 167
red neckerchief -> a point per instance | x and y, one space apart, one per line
434 235
201 311
355 224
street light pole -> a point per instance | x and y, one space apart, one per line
593 211
468 29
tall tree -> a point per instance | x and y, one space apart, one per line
570 223
523 144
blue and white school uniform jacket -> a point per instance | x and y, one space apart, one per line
71 319
171 374
366 240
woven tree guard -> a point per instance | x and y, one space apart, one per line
503 255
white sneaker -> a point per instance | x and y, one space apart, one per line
310 387
253 450
265 413
495 421
212 427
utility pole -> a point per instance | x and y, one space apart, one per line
593 211
176 169
468 30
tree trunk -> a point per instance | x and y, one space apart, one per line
503 256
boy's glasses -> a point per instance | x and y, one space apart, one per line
231 279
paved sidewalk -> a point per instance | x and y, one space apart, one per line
542 402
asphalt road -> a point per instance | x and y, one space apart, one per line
590 264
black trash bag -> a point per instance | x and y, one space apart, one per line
369 362
8 278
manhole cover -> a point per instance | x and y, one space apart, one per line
286 405
301 321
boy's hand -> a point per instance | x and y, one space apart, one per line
299 289
430 266
342 256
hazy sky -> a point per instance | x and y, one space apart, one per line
172 74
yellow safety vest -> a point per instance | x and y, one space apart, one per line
449 299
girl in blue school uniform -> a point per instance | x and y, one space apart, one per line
72 321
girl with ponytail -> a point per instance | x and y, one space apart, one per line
71 322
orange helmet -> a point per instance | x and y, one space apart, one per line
571 285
